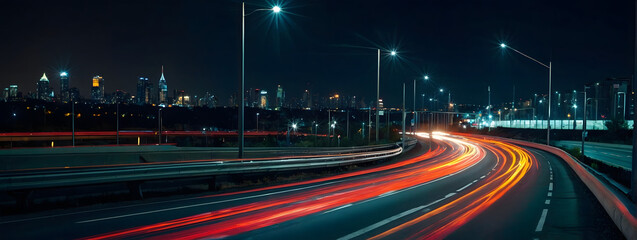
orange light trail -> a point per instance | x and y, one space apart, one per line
513 164
517 163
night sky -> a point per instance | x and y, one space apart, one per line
324 46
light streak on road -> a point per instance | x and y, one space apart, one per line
516 163
452 156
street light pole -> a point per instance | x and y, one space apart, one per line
347 124
377 94
241 126
159 125
117 123
584 133
242 84
403 134
73 119
550 67
415 115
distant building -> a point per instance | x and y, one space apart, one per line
44 90
162 88
352 102
233 101
74 94
263 99
97 89
253 98
306 100
181 98
140 98
13 92
611 98
208 100
120 96
64 86
280 97
334 101
144 91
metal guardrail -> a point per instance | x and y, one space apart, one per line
66 177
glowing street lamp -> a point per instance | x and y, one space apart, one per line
292 127
392 53
275 9
549 66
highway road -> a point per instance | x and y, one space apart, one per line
614 154
462 188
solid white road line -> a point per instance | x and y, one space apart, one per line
540 224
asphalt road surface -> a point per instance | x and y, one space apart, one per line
462 188
614 154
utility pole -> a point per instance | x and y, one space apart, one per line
329 123
403 135
584 133
415 116
159 125
634 165
489 106
73 120
348 124
377 96
369 125
117 122
388 111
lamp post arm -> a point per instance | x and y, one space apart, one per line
529 57
256 10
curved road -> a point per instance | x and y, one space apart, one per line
463 187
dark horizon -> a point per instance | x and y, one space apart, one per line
315 45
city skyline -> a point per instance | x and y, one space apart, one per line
586 43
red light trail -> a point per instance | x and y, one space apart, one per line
454 155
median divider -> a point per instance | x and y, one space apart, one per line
28 180
616 204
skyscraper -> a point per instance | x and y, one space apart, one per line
44 91
163 88
97 89
280 97
140 98
64 86
263 99
144 92
307 99
13 91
